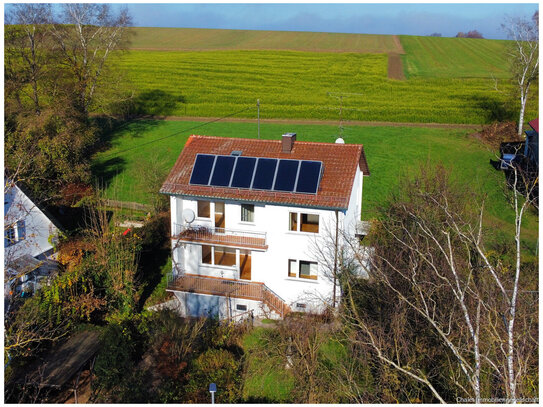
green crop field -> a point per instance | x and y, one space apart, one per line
434 57
293 84
392 153
209 39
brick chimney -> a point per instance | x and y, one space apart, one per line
288 142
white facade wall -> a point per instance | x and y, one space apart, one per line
269 266
202 305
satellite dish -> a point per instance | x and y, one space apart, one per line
188 215
339 140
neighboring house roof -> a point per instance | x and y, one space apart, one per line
37 226
340 164
534 124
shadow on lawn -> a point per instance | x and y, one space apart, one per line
104 171
495 110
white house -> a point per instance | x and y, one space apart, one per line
28 240
246 216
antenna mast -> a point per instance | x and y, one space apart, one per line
340 96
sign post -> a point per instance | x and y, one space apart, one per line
212 390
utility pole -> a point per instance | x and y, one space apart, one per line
258 116
340 96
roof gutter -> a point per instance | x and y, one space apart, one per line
327 208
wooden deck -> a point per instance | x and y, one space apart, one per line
249 290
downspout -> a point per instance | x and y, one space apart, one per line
335 259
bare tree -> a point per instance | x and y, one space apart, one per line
435 275
27 41
86 37
523 57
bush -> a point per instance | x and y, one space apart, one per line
116 356
217 366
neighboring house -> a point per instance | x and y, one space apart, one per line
531 148
28 243
525 153
247 215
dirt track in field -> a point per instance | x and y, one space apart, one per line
395 67
318 122
398 44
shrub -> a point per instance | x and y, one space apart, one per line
217 366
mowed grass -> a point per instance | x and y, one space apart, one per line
214 39
297 84
434 57
393 153
265 380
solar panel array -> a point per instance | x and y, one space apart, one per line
258 173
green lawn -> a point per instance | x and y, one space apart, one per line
293 84
264 381
392 154
434 57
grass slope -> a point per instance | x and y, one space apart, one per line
296 84
434 57
212 39
392 153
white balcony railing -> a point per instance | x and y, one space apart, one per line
220 236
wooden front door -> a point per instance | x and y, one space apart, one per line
245 265
219 215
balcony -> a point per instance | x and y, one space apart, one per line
220 236
249 290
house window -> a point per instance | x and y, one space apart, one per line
293 223
303 222
308 269
21 230
247 213
9 236
224 256
291 268
206 255
241 307
309 223
300 305
204 209
218 256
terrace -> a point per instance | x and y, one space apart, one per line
220 236
224 287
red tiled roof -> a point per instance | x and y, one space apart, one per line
535 124
340 165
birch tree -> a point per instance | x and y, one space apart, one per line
523 56
438 281
86 38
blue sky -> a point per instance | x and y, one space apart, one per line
411 19
387 18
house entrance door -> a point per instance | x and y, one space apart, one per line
245 265
219 215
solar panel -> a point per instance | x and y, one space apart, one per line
243 173
264 173
309 177
202 169
222 171
261 173
286 175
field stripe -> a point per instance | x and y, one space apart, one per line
473 126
